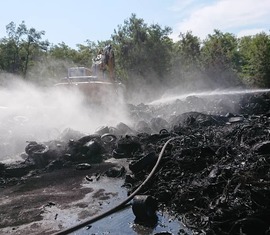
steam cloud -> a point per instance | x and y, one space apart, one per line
31 113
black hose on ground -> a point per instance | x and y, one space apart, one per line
122 204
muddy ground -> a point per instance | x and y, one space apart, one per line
48 202
214 175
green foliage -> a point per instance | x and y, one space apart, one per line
220 51
188 50
20 48
220 58
255 56
85 54
62 51
186 56
141 49
144 54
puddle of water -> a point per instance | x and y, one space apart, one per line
122 222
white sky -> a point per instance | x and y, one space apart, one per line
73 22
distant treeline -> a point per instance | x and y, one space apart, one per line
144 54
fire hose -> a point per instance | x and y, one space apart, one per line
122 204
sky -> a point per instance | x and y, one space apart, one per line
74 22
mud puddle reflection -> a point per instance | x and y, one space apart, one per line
123 221
106 194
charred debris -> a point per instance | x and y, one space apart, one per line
215 176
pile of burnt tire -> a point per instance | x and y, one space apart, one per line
215 174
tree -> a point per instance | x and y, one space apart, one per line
86 53
32 45
186 57
141 49
159 48
10 48
255 59
20 48
62 51
188 49
220 58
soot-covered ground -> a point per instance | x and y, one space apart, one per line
214 175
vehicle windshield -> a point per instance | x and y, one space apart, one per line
78 72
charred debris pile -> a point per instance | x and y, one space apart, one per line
214 175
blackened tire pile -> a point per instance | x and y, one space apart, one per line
216 175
